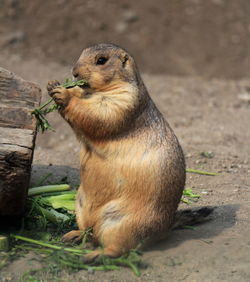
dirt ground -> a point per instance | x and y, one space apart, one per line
206 38
191 55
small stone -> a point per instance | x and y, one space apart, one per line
244 97
218 2
121 27
130 16
13 38
91 271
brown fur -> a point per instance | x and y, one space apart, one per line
132 166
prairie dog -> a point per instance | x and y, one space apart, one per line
132 166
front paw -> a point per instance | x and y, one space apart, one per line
60 95
52 84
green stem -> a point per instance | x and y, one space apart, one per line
4 243
26 248
129 264
47 245
134 269
43 179
47 189
201 172
43 106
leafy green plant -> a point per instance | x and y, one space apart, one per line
208 155
71 256
188 194
46 213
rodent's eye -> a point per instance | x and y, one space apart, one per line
101 61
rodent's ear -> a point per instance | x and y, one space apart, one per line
124 58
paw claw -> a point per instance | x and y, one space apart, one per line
74 236
56 90
91 257
60 95
52 84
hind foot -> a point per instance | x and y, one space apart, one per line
108 252
74 236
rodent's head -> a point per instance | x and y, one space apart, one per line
105 66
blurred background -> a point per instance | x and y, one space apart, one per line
176 37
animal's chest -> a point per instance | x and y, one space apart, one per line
101 172
113 172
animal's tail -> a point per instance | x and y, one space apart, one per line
189 217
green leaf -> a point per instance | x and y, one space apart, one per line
202 172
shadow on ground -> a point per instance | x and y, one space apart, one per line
56 174
223 217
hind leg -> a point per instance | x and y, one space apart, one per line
115 240
77 235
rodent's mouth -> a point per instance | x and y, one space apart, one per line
86 85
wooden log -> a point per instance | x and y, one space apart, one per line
17 138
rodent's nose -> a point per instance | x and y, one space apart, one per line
75 75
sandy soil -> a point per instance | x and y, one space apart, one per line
207 114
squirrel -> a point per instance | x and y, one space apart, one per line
132 167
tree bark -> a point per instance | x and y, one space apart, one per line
17 138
